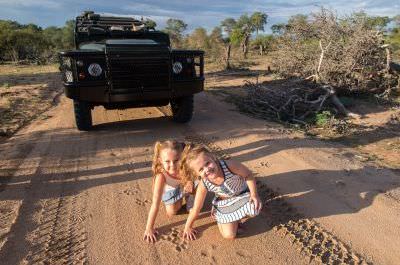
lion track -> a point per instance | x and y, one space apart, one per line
174 237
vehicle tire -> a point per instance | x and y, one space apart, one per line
83 115
182 109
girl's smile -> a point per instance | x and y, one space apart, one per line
169 160
206 167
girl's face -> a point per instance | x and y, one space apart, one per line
169 160
205 167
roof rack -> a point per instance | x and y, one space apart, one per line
89 21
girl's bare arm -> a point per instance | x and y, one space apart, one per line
241 170
201 194
158 188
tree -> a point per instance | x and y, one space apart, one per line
278 29
263 42
298 19
394 37
242 32
175 29
396 20
372 22
217 44
228 26
31 42
54 36
68 34
150 24
259 20
198 39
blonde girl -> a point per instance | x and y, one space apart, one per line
233 184
166 184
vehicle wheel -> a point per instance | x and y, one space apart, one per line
83 115
182 109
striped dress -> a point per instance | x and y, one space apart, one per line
235 192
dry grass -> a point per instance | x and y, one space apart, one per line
25 92
16 70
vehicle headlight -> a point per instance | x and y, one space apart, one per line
177 67
69 77
95 70
66 61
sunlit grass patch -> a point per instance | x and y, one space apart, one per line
16 70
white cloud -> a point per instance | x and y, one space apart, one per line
156 10
30 3
205 13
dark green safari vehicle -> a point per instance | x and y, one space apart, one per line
120 62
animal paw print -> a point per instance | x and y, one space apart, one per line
265 164
131 191
209 254
141 202
174 237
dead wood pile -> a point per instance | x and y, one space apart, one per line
346 53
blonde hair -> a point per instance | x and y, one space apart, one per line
190 153
158 147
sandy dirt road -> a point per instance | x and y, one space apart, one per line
70 197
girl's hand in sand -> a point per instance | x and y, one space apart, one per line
189 234
256 201
150 235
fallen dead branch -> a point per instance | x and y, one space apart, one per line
297 104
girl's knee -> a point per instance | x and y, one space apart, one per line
171 212
173 209
230 236
228 231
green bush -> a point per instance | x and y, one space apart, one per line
323 118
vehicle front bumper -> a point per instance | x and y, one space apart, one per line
100 93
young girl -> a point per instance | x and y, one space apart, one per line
166 184
233 184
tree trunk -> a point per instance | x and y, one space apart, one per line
14 55
245 46
227 56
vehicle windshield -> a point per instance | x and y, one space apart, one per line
100 46
92 46
132 42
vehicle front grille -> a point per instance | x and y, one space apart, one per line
138 71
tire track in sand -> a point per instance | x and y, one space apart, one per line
59 236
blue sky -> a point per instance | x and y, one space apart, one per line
204 13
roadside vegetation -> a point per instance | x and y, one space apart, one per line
25 93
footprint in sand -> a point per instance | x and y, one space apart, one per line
131 191
241 254
142 202
210 254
